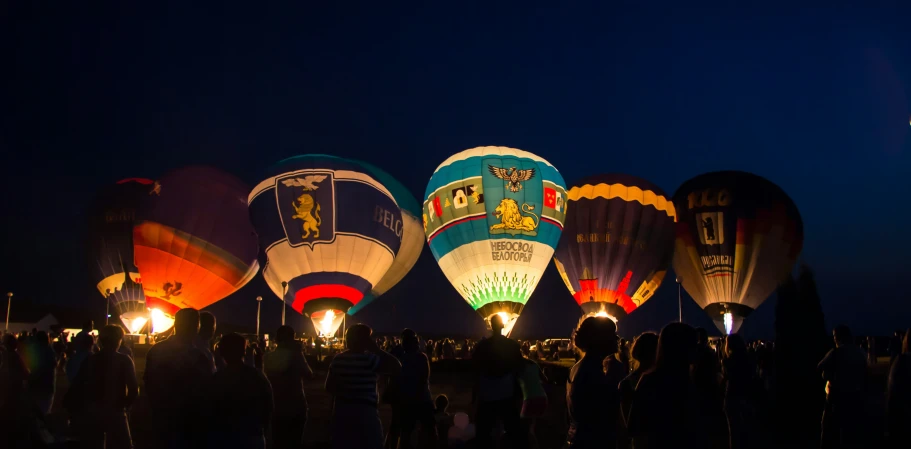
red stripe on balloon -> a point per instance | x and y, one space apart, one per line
325 291
552 221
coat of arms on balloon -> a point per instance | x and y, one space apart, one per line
306 202
492 217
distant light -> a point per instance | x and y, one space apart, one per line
109 315
728 322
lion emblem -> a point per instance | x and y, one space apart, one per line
512 220
306 213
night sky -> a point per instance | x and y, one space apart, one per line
816 101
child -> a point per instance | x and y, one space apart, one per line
442 417
534 397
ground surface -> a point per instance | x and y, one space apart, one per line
450 377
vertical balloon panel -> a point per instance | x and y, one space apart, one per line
492 217
738 237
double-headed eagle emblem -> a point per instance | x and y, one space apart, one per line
512 176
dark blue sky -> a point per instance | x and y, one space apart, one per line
814 100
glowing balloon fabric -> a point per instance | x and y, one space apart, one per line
110 246
738 236
412 236
492 217
330 230
617 243
193 241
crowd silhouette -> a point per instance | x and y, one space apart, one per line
674 389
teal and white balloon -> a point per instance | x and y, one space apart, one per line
493 217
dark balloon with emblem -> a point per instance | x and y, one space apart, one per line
193 240
738 237
617 243
110 248
330 230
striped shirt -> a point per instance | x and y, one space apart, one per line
355 376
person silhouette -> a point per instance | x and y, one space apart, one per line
592 394
352 383
845 371
175 375
286 367
239 399
498 363
109 387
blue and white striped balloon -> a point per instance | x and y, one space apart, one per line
330 229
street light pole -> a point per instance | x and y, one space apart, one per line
679 301
259 302
9 301
284 293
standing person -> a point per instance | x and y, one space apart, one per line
415 400
205 338
87 329
591 391
534 398
126 345
643 352
175 375
390 394
239 399
42 366
871 350
665 409
107 385
706 369
739 382
498 363
286 367
82 349
13 395
845 371
352 383
898 398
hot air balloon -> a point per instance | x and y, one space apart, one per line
110 248
412 236
193 242
331 230
492 217
617 243
738 236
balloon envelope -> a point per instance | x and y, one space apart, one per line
412 236
617 243
111 219
738 236
329 228
492 217
193 241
